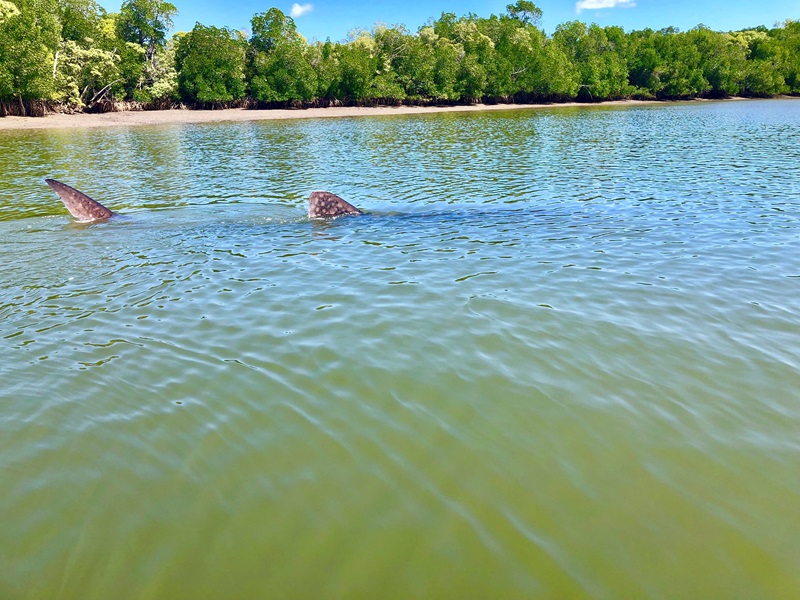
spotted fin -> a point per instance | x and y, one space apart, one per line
325 205
79 205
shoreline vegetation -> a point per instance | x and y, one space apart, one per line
134 118
72 56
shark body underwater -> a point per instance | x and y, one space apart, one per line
321 205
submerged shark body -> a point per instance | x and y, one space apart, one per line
321 205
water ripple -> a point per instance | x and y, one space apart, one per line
556 355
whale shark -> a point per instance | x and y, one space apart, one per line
79 205
321 205
324 205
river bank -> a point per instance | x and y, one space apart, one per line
182 117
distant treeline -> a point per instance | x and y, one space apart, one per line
73 55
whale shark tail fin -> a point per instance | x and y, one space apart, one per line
79 205
323 205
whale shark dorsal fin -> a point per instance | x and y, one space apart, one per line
79 205
323 205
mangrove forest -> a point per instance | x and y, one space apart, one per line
73 55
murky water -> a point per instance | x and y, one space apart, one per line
559 358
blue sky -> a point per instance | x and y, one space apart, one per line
320 19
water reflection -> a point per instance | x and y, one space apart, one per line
558 354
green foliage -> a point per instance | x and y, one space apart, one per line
525 11
766 66
7 10
721 60
557 76
84 75
283 75
701 62
272 29
599 55
146 22
131 68
30 34
159 77
210 63
357 66
279 65
506 55
80 19
447 56
643 61
396 65
92 63
470 78
324 60
788 37
476 63
679 74
415 65
73 52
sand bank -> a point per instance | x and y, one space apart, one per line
181 117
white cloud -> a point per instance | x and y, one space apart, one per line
597 4
298 10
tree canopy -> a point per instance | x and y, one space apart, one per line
210 64
74 54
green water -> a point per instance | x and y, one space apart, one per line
559 358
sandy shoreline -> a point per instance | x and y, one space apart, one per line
182 117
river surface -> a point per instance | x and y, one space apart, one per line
558 358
